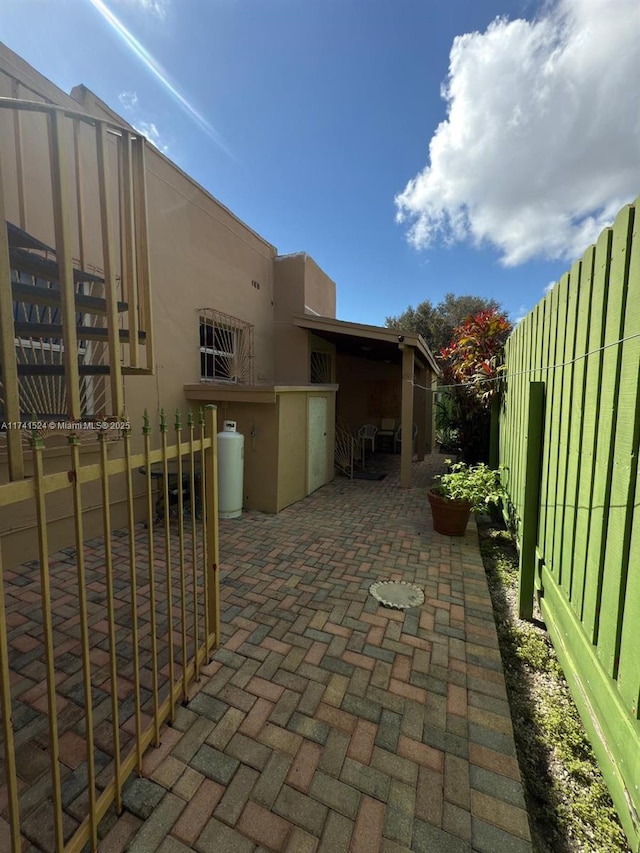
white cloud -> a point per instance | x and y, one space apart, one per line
540 146
154 7
129 100
150 130
549 287
521 314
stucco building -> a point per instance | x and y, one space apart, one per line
170 301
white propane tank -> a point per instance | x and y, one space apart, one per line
230 471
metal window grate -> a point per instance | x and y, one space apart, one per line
321 368
226 348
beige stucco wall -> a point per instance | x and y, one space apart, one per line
258 423
291 354
291 345
300 287
199 260
319 290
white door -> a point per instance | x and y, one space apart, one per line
317 444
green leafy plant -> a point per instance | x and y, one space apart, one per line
478 485
447 419
474 356
472 366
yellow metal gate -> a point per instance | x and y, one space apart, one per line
117 626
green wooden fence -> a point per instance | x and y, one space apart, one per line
569 442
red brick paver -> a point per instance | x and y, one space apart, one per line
325 721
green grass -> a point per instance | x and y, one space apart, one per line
569 807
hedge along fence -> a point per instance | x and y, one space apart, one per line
569 430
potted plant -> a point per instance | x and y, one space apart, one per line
464 488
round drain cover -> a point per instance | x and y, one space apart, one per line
397 594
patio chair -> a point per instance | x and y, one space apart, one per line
397 439
386 433
367 432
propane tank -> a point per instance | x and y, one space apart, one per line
230 471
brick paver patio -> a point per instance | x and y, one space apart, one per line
329 723
325 722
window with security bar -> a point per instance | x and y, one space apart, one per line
226 348
321 372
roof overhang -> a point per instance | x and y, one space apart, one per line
374 342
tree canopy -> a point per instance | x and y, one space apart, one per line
437 322
471 364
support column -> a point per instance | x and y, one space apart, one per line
430 404
420 406
406 449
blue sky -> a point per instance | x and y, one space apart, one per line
504 146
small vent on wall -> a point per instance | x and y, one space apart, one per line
255 284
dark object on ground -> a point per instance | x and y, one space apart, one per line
368 475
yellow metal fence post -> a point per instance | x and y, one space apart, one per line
74 443
168 557
7 726
146 430
182 564
47 624
111 616
134 598
203 525
213 585
194 558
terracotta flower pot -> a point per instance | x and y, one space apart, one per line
449 517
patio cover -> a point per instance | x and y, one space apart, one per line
385 343
380 343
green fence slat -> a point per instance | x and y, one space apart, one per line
525 383
555 399
576 470
508 433
567 320
629 667
609 389
593 367
625 451
538 357
549 355
516 408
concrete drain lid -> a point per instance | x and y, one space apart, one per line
397 594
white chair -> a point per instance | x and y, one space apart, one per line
386 433
397 439
367 432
